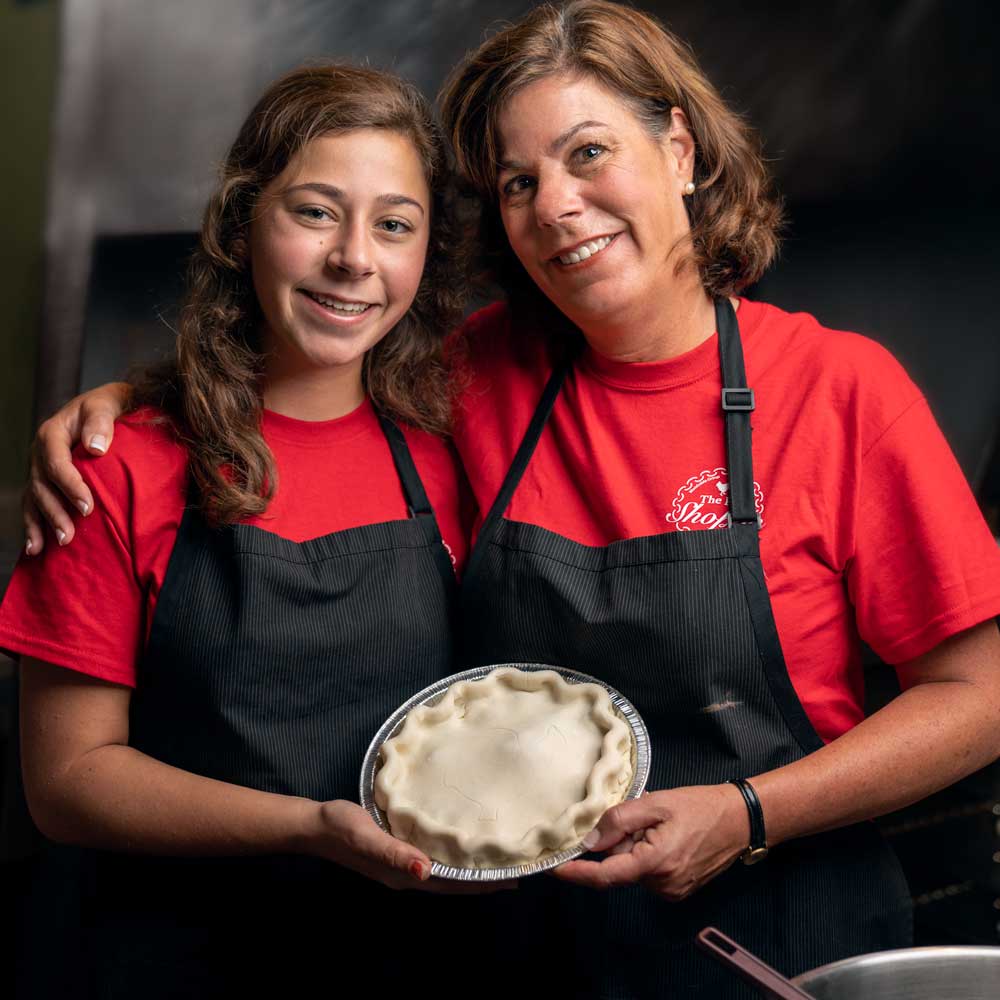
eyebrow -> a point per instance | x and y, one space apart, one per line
557 143
337 194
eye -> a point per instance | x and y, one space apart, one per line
590 152
517 185
395 227
313 213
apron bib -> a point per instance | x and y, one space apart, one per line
681 624
271 664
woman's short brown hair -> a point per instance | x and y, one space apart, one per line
734 216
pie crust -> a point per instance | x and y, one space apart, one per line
505 770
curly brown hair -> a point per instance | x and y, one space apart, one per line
735 217
211 390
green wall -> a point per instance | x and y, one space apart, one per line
28 36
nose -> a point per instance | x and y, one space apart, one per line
351 253
557 198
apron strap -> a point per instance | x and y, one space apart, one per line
413 489
737 405
524 452
417 501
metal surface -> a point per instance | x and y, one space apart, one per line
433 694
960 973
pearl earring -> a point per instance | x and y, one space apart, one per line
689 187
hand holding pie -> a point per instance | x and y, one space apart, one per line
672 841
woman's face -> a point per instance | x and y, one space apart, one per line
592 204
337 248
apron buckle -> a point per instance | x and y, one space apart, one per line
740 400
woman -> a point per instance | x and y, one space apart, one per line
624 206
616 183
204 668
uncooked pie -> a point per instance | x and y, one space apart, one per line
505 770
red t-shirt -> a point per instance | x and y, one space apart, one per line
89 606
869 527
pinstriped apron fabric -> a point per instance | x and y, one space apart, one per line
681 624
271 664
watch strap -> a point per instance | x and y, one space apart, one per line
757 850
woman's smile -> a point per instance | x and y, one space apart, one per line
581 253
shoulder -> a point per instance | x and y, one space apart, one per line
144 469
773 333
83 606
484 326
477 342
836 368
143 439
499 337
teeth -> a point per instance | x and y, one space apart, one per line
343 307
586 251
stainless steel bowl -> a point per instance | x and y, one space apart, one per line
958 973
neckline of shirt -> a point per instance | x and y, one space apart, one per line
359 422
646 376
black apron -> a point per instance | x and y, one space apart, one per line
678 622
271 664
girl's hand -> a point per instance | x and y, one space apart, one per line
55 487
343 832
673 841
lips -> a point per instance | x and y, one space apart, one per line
584 251
337 305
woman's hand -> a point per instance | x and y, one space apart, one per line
54 485
673 841
346 834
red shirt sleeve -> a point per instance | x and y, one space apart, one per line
81 606
87 606
925 566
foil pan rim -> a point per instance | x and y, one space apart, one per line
388 729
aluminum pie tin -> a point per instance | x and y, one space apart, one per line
432 695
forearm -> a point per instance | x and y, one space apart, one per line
116 798
944 726
928 737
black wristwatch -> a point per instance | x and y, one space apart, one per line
757 850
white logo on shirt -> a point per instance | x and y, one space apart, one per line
703 502
451 555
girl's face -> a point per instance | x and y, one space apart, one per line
591 202
337 248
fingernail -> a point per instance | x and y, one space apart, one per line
83 505
591 839
61 535
99 443
28 546
417 871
